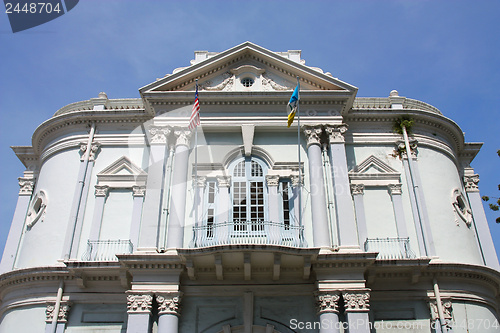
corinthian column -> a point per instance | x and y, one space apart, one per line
168 312
176 220
348 237
328 311
317 182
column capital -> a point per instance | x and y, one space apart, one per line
327 302
201 181
394 189
139 303
94 149
182 136
159 134
63 312
272 180
356 300
168 303
138 191
224 181
357 189
313 134
336 133
447 306
26 185
471 183
296 181
401 149
101 190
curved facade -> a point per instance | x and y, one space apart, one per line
128 221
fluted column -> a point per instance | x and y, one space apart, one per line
139 313
168 312
328 311
397 205
101 193
62 317
357 307
358 191
321 232
176 221
487 247
26 184
148 239
138 193
348 237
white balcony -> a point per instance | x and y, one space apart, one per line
390 248
106 250
248 232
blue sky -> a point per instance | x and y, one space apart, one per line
444 53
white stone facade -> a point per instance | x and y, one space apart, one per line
127 221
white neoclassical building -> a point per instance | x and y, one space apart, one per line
127 221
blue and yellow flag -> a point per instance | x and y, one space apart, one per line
293 104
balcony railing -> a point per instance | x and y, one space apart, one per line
248 232
106 250
390 248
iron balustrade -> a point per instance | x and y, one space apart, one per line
106 250
390 248
248 232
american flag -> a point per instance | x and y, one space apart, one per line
195 114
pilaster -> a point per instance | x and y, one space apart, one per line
358 191
357 307
62 316
101 193
138 193
397 205
139 308
344 209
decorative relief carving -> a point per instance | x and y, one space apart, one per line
272 180
356 301
36 209
336 133
63 312
266 81
327 303
159 134
182 137
447 311
461 207
357 189
138 191
26 185
470 183
394 189
168 303
94 149
295 180
226 84
224 181
313 134
101 190
139 303
201 181
401 149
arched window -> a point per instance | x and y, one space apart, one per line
249 194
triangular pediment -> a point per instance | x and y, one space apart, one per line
122 173
374 172
272 71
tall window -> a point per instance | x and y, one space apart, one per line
249 211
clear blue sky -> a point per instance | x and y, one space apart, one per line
445 53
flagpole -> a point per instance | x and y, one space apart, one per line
196 189
298 153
